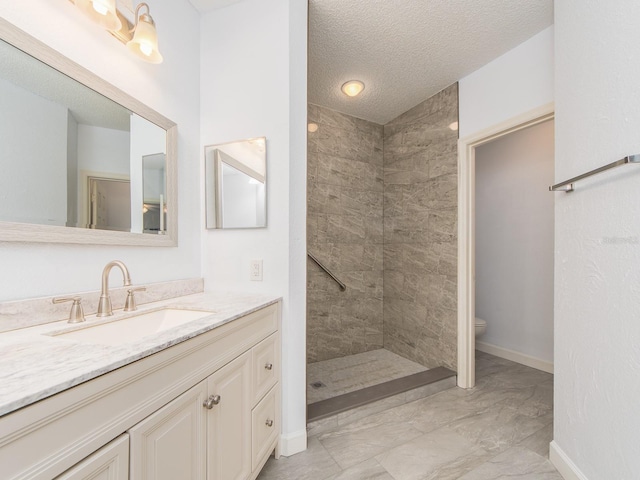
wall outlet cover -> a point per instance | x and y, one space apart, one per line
255 270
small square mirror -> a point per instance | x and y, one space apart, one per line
236 184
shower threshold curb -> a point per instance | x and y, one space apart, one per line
438 379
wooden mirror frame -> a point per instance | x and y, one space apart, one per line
25 232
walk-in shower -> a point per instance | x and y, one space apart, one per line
382 221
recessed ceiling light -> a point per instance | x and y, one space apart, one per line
312 127
352 88
453 126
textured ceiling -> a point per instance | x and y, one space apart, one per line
87 106
407 50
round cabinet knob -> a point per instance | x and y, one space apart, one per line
269 423
269 366
211 401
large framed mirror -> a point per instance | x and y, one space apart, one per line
81 161
236 184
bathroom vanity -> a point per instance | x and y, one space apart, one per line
185 388
200 400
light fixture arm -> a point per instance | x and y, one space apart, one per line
144 41
145 17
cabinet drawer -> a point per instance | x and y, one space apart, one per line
265 367
265 427
111 462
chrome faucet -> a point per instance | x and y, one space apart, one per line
104 307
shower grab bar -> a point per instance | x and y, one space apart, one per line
343 287
567 186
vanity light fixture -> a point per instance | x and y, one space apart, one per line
144 43
352 88
312 127
453 126
102 12
141 39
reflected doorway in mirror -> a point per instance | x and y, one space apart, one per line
109 204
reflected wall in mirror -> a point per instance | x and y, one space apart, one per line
236 184
154 193
78 155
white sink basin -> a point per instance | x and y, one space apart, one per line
133 328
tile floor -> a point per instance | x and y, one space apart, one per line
500 429
353 372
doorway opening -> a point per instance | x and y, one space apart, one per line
468 151
109 204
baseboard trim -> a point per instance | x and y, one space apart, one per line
563 463
514 356
292 443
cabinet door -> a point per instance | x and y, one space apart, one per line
111 462
170 444
229 421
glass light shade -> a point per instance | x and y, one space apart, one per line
352 88
144 43
102 12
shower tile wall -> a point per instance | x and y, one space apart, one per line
420 232
344 230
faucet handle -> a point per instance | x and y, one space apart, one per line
130 303
77 314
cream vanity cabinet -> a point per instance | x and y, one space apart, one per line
111 462
207 429
204 409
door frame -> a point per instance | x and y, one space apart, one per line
466 231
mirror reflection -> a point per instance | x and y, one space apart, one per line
154 182
72 157
236 195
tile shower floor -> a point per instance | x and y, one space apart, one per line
347 374
499 429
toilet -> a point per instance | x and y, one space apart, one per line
481 326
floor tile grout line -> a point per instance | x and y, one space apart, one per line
477 413
331 456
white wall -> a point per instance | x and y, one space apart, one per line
514 83
42 163
253 79
172 89
295 333
103 150
597 253
72 171
514 241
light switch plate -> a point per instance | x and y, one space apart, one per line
255 270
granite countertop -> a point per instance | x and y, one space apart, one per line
35 365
